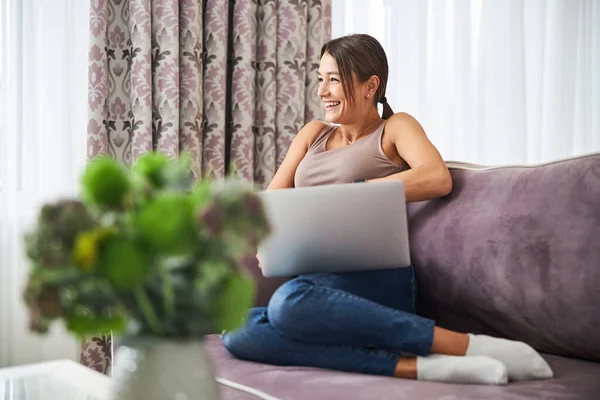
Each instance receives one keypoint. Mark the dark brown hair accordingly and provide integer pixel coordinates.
(362, 55)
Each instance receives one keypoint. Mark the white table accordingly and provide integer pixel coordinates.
(54, 380)
(68, 380)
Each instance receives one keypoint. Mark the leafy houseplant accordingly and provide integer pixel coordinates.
(146, 253)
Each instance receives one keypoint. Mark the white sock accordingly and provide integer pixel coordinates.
(461, 369)
(521, 360)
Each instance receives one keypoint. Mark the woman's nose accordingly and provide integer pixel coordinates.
(323, 90)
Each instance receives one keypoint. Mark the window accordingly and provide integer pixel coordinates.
(2, 85)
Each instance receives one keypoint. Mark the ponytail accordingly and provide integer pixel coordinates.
(387, 110)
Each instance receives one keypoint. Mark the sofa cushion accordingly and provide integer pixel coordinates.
(573, 379)
(515, 252)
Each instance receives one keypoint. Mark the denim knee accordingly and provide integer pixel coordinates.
(287, 308)
(232, 343)
(243, 345)
(245, 342)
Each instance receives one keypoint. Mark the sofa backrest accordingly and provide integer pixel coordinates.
(514, 252)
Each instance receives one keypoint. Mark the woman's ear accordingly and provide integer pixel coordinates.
(373, 84)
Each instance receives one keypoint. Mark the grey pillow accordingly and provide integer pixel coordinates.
(515, 252)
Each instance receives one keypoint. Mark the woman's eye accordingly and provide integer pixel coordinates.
(330, 79)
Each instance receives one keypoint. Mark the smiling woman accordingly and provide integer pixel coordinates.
(43, 92)
(365, 321)
(353, 75)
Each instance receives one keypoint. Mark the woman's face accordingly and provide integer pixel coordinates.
(331, 92)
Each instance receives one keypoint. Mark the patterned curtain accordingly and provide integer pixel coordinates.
(230, 82)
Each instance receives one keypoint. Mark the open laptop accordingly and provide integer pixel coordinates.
(335, 228)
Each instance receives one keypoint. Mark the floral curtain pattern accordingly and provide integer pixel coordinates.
(145, 78)
(274, 82)
(229, 83)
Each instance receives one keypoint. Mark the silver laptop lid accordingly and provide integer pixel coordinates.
(335, 228)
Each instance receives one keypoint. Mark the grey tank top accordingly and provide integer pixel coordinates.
(363, 159)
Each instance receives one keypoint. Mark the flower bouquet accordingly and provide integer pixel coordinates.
(145, 252)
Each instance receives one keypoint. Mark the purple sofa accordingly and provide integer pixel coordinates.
(512, 252)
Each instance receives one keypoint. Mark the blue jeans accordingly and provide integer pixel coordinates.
(355, 322)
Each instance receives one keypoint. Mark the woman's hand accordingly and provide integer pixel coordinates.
(258, 258)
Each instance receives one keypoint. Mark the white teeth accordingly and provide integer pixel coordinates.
(331, 103)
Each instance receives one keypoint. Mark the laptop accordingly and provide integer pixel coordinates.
(335, 228)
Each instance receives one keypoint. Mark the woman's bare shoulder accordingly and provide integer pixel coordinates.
(402, 118)
(309, 133)
(401, 124)
(284, 177)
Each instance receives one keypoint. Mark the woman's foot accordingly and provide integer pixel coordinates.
(454, 369)
(521, 360)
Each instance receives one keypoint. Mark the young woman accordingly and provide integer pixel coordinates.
(365, 321)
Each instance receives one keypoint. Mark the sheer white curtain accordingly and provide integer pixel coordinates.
(492, 81)
(43, 107)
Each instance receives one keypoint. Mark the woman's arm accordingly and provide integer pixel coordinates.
(428, 176)
(284, 177)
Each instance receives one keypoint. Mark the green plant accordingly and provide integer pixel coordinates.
(145, 251)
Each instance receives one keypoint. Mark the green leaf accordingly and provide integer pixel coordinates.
(105, 182)
(233, 302)
(123, 261)
(201, 193)
(57, 276)
(151, 166)
(87, 243)
(167, 223)
(83, 326)
(211, 274)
